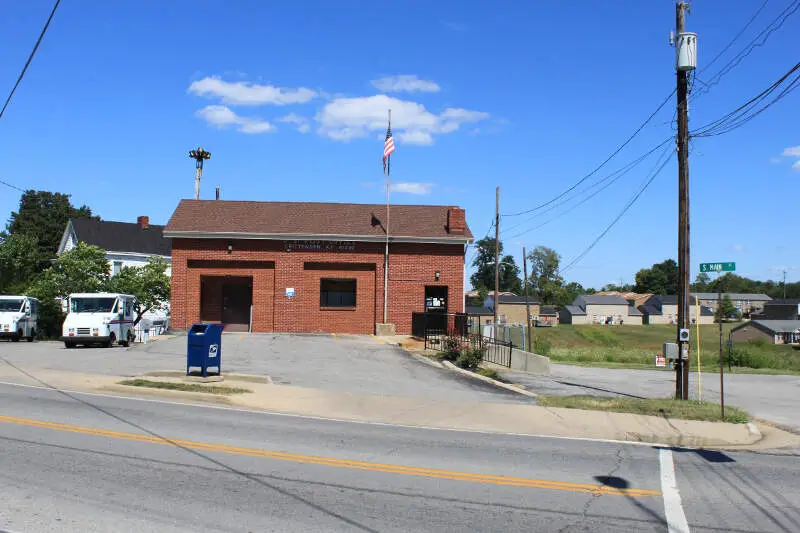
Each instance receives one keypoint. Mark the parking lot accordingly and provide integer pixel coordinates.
(358, 364)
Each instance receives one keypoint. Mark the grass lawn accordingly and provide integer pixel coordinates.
(636, 347)
(188, 387)
(668, 408)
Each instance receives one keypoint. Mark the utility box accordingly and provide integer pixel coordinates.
(686, 51)
(204, 348)
(671, 350)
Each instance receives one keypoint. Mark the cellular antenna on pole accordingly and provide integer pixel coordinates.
(199, 156)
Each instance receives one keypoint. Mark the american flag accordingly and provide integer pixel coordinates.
(388, 147)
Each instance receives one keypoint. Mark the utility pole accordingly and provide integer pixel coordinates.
(199, 156)
(784, 284)
(721, 358)
(682, 370)
(496, 256)
(527, 303)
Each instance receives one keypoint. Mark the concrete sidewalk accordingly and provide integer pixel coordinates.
(469, 416)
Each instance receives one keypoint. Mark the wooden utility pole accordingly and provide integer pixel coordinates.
(682, 370)
(721, 358)
(527, 303)
(496, 257)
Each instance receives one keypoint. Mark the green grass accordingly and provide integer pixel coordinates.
(188, 387)
(489, 373)
(667, 408)
(636, 346)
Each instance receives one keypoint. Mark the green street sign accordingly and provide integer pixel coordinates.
(717, 267)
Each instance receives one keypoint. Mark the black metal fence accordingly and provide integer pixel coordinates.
(468, 336)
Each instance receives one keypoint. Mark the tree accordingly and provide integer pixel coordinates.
(82, 269)
(149, 283)
(544, 277)
(484, 264)
(701, 282)
(567, 293)
(43, 215)
(18, 264)
(726, 309)
(661, 278)
(623, 287)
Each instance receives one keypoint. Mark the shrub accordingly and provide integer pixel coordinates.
(470, 358)
(451, 348)
(541, 346)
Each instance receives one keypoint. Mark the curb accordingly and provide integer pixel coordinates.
(753, 430)
(512, 388)
(426, 360)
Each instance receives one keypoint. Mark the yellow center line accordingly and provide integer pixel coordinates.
(341, 463)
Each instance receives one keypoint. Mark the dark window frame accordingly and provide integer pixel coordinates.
(343, 298)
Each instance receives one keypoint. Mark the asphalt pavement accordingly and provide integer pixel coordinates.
(769, 397)
(84, 462)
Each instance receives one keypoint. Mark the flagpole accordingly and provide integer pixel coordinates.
(386, 253)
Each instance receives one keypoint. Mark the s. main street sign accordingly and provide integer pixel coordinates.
(717, 267)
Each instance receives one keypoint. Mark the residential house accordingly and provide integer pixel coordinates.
(548, 316)
(663, 309)
(633, 298)
(511, 308)
(473, 298)
(780, 310)
(746, 303)
(774, 331)
(482, 314)
(125, 243)
(600, 309)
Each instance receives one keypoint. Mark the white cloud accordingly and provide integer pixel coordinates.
(245, 93)
(738, 248)
(792, 151)
(405, 83)
(222, 117)
(301, 123)
(412, 188)
(796, 165)
(775, 160)
(343, 119)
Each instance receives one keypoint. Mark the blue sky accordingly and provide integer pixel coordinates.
(290, 100)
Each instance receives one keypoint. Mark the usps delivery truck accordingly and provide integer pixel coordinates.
(18, 316)
(99, 318)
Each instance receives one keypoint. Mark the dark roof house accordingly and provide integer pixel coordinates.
(135, 238)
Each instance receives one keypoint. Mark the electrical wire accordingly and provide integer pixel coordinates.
(610, 179)
(633, 200)
(601, 165)
(30, 58)
(727, 46)
(11, 186)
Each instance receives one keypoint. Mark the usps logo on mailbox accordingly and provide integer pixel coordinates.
(212, 351)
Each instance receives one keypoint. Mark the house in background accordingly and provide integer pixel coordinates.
(774, 331)
(663, 309)
(125, 243)
(547, 317)
(483, 315)
(511, 308)
(600, 309)
(780, 310)
(746, 303)
(633, 298)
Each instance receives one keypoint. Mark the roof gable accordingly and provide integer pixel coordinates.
(122, 236)
(601, 299)
(276, 220)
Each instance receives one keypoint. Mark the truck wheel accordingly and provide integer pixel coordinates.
(111, 340)
(33, 336)
(17, 337)
(127, 341)
(68, 344)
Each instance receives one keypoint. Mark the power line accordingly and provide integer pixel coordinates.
(11, 186)
(744, 112)
(30, 58)
(619, 216)
(611, 179)
(727, 46)
(609, 158)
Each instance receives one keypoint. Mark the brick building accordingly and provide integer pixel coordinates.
(313, 267)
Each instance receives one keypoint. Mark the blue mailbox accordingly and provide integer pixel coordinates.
(204, 347)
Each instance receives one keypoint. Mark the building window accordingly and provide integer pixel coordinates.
(116, 268)
(337, 292)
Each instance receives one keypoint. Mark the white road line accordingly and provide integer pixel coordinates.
(673, 508)
(337, 420)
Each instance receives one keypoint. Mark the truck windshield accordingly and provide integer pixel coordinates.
(91, 305)
(10, 306)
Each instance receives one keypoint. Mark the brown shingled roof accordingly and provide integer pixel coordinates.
(207, 218)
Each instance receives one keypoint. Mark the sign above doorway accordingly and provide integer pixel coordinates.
(320, 246)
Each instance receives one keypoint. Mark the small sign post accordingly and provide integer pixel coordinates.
(719, 268)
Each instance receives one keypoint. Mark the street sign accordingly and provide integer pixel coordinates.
(717, 267)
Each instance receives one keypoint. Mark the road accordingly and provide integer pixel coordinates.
(85, 462)
(770, 397)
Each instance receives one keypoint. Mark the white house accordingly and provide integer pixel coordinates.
(125, 243)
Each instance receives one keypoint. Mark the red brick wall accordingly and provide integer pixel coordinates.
(411, 268)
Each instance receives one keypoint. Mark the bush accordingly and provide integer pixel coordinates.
(451, 348)
(470, 358)
(541, 346)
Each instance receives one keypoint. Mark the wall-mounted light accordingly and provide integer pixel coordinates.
(230, 248)
(438, 274)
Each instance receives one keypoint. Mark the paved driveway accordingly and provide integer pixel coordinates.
(774, 398)
(343, 363)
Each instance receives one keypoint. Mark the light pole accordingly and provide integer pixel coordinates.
(199, 156)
